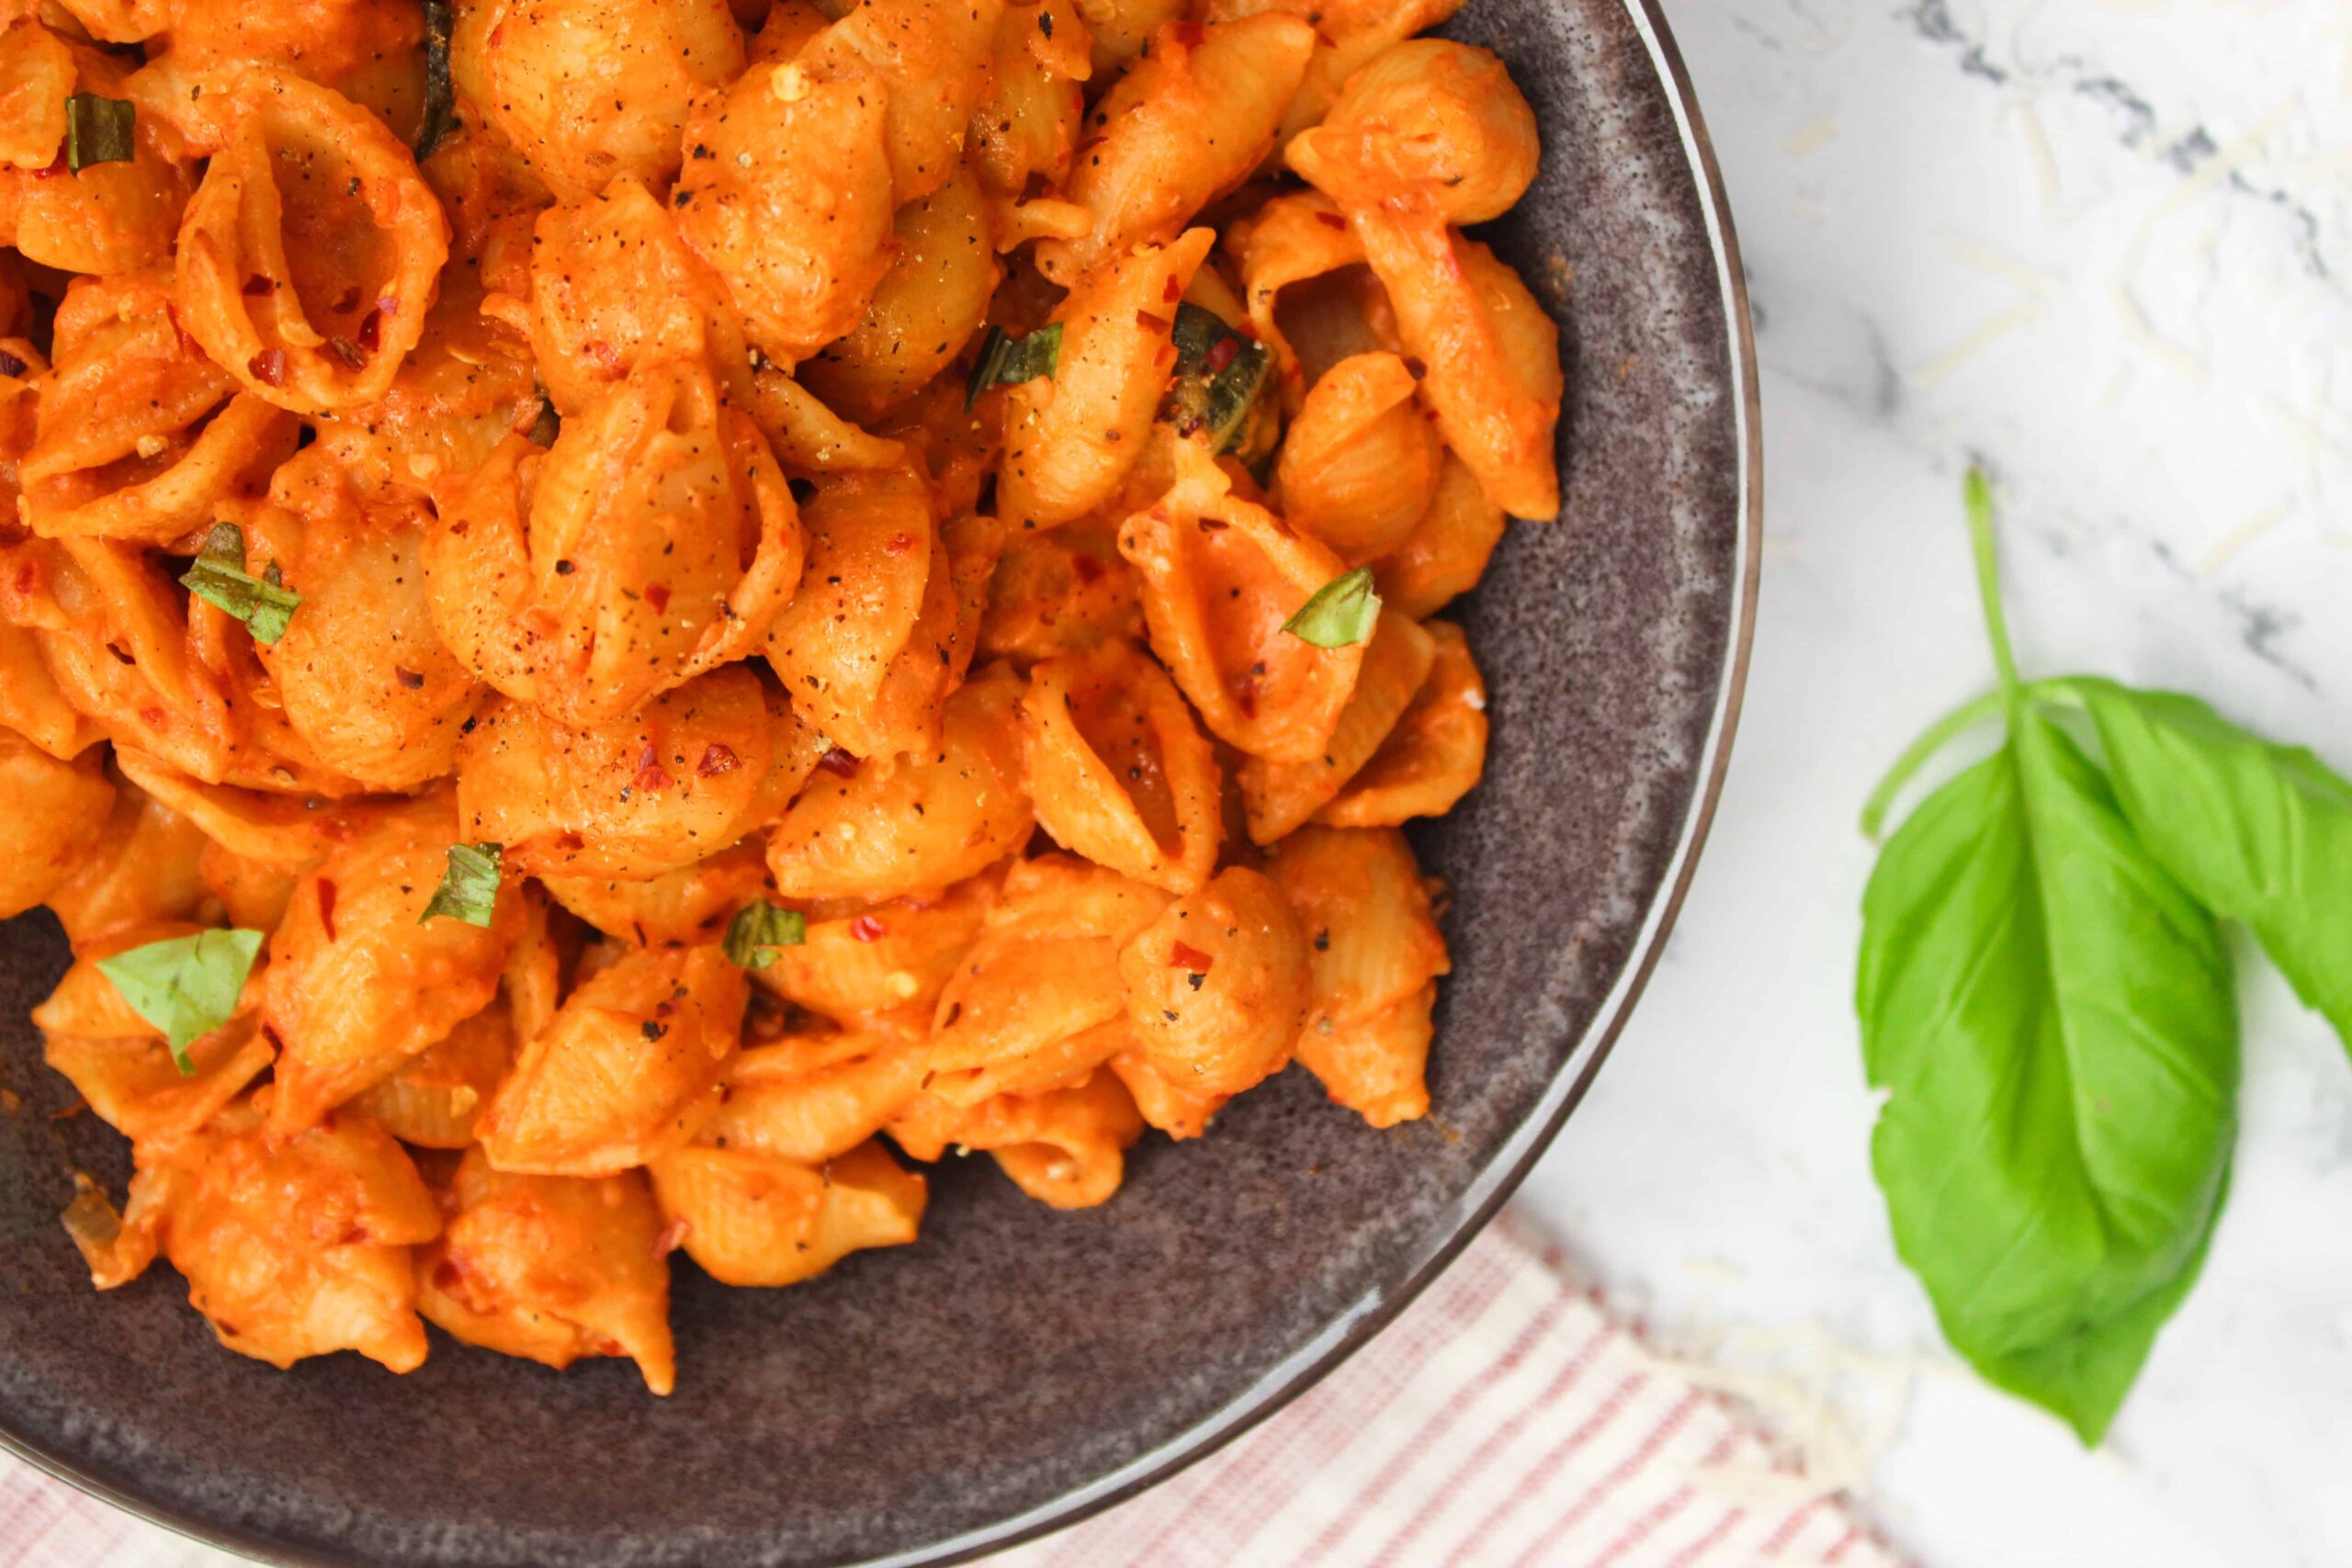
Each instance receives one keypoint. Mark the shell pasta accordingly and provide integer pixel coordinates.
(627, 623)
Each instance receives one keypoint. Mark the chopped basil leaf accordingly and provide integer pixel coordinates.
(98, 130)
(219, 578)
(469, 891)
(1005, 360)
(1219, 374)
(758, 930)
(188, 987)
(1341, 613)
(440, 96)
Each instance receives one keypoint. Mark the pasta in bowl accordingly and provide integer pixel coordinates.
(631, 627)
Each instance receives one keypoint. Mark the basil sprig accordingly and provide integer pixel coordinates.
(468, 889)
(219, 577)
(1341, 613)
(188, 987)
(1005, 360)
(98, 131)
(440, 94)
(758, 930)
(2049, 1004)
(1219, 374)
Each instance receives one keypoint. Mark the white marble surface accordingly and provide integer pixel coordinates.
(2104, 246)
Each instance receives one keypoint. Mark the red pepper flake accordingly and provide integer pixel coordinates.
(839, 761)
(59, 167)
(1245, 695)
(343, 348)
(648, 771)
(352, 1236)
(409, 678)
(326, 907)
(1189, 34)
(447, 1276)
(349, 300)
(259, 287)
(658, 595)
(154, 718)
(498, 36)
(389, 304)
(370, 336)
(268, 367)
(1173, 290)
(865, 927)
(1165, 357)
(1222, 354)
(1088, 569)
(1150, 322)
(717, 760)
(607, 358)
(1330, 220)
(1185, 956)
(673, 1235)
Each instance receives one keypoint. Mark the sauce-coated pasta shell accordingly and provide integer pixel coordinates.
(1065, 1147)
(688, 776)
(146, 867)
(1221, 576)
(1376, 955)
(310, 253)
(1431, 126)
(755, 1219)
(1434, 755)
(1359, 463)
(1217, 985)
(1029, 122)
(434, 1099)
(917, 822)
(652, 542)
(629, 1068)
(57, 814)
(589, 90)
(1060, 592)
(926, 59)
(552, 1269)
(359, 982)
(1278, 796)
(1448, 549)
(776, 1106)
(300, 1247)
(864, 959)
(1188, 123)
(789, 200)
(109, 218)
(1118, 769)
(689, 905)
(1071, 438)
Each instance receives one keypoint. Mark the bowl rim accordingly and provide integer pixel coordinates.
(1352, 1329)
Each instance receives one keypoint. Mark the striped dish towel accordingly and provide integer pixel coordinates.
(1503, 1421)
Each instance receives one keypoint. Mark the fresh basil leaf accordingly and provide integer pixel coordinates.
(1005, 360)
(1219, 374)
(2258, 832)
(219, 577)
(98, 131)
(1341, 612)
(2053, 1018)
(188, 987)
(440, 94)
(468, 889)
(758, 930)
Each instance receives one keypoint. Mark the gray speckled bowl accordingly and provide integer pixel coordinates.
(1021, 1366)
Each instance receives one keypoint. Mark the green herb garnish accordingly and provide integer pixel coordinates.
(188, 987)
(98, 131)
(758, 930)
(469, 890)
(1005, 360)
(219, 577)
(2050, 1008)
(1219, 374)
(1341, 612)
(440, 95)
